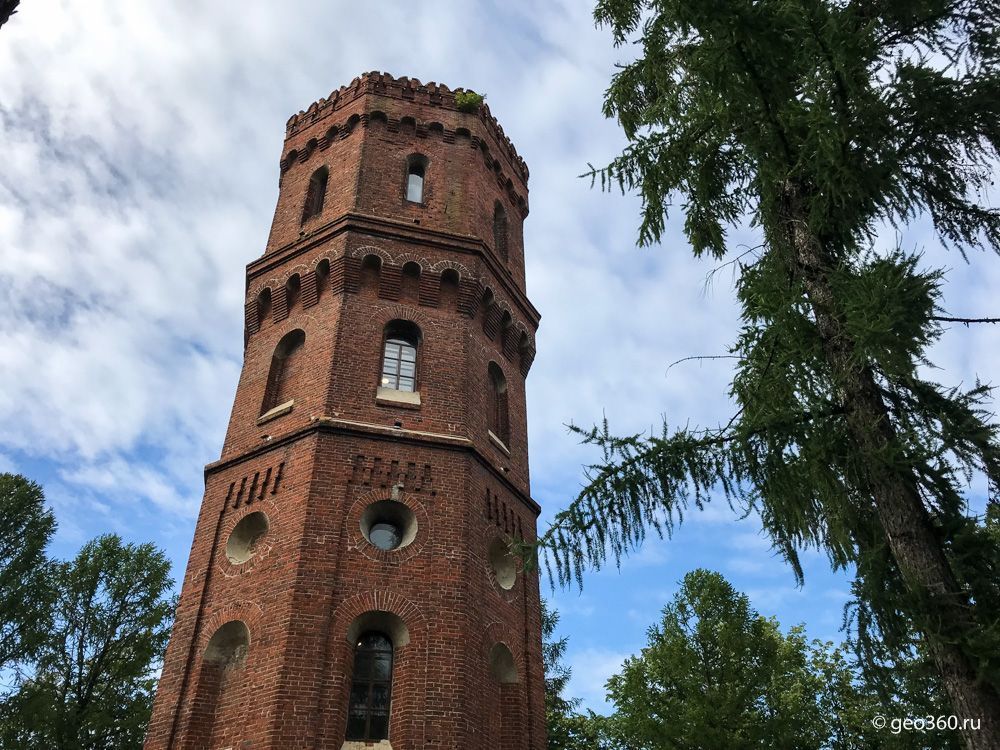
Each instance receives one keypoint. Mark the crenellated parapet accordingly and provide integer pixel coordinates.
(337, 131)
(407, 89)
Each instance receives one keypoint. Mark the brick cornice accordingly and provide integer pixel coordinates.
(334, 426)
(392, 229)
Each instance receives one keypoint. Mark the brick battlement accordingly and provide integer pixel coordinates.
(408, 89)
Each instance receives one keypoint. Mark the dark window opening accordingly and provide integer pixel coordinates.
(316, 193)
(292, 290)
(283, 376)
(500, 231)
(499, 417)
(385, 535)
(371, 688)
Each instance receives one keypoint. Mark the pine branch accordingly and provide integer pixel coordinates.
(963, 321)
(702, 356)
(639, 479)
(7, 9)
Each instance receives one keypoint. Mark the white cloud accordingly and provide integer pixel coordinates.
(591, 669)
(140, 144)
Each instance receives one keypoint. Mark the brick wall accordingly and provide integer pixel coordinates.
(330, 449)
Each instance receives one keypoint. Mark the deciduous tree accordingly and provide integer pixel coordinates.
(92, 683)
(26, 526)
(717, 674)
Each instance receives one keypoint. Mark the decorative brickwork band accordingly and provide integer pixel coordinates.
(280, 301)
(352, 275)
(527, 357)
(251, 324)
(430, 289)
(491, 322)
(390, 280)
(469, 292)
(310, 292)
(510, 341)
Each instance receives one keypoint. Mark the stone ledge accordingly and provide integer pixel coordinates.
(362, 745)
(278, 411)
(392, 397)
(498, 442)
(382, 429)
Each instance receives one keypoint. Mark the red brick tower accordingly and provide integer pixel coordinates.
(349, 580)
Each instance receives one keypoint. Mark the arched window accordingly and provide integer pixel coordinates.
(499, 420)
(264, 305)
(399, 356)
(293, 288)
(500, 230)
(371, 269)
(371, 688)
(409, 289)
(284, 374)
(416, 166)
(316, 193)
(322, 277)
(449, 289)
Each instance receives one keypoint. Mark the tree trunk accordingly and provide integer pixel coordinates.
(900, 509)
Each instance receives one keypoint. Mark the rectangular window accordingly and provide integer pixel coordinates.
(415, 188)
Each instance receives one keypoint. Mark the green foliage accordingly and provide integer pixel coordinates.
(716, 674)
(468, 101)
(26, 526)
(576, 731)
(879, 110)
(819, 123)
(557, 674)
(567, 729)
(93, 680)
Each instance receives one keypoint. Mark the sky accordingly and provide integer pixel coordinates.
(139, 145)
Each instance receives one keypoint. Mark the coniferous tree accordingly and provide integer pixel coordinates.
(26, 526)
(822, 122)
(7, 9)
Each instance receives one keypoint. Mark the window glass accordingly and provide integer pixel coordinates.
(415, 181)
(371, 689)
(385, 535)
(399, 365)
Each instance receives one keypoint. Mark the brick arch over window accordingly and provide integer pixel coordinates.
(385, 610)
(286, 370)
(221, 689)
